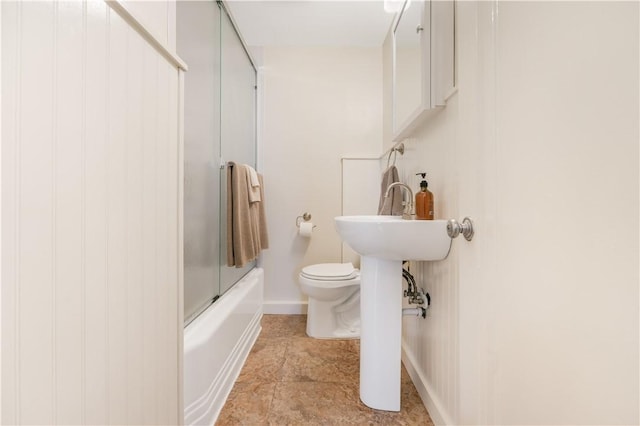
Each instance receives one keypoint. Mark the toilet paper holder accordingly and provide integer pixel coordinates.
(306, 217)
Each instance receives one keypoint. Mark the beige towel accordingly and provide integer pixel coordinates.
(391, 205)
(246, 222)
(254, 185)
(262, 217)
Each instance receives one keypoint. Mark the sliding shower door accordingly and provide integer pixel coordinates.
(238, 126)
(198, 29)
(220, 126)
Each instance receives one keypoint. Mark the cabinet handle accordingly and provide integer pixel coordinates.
(419, 28)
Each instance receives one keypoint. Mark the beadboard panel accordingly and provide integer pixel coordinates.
(90, 208)
(511, 336)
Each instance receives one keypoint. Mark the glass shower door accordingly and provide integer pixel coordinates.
(219, 125)
(237, 128)
(198, 31)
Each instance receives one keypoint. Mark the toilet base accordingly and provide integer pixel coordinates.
(336, 319)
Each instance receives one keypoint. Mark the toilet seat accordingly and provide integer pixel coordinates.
(330, 272)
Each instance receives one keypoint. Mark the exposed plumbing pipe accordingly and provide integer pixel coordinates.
(420, 298)
(410, 282)
(416, 296)
(417, 312)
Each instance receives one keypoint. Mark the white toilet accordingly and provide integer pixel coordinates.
(334, 300)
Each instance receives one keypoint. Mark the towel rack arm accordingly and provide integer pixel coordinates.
(398, 148)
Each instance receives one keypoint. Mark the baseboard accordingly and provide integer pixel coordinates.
(432, 403)
(284, 307)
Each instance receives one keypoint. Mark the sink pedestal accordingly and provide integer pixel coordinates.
(380, 332)
(383, 242)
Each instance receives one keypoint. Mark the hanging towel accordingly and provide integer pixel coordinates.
(391, 205)
(246, 222)
(253, 176)
(254, 185)
(262, 217)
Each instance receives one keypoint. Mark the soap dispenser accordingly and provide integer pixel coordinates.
(424, 200)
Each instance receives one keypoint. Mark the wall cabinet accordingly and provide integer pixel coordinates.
(423, 62)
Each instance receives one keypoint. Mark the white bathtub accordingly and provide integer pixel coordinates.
(216, 345)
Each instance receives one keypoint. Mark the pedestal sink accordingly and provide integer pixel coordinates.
(383, 242)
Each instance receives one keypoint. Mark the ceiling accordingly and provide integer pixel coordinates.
(362, 23)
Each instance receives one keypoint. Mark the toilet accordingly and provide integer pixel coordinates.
(334, 300)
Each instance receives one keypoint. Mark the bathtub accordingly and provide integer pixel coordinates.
(216, 345)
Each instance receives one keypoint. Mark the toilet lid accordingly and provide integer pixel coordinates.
(330, 271)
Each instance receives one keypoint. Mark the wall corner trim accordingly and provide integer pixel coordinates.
(118, 7)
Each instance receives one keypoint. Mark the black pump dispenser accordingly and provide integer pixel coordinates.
(424, 184)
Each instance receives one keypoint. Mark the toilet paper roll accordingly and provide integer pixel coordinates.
(305, 229)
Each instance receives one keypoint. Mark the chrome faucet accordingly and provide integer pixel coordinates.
(409, 212)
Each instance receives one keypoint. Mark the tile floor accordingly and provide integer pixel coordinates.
(292, 379)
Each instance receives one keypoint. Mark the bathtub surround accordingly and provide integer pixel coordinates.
(216, 345)
(536, 320)
(224, 230)
(91, 213)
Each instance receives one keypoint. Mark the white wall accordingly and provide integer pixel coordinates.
(536, 320)
(319, 104)
(360, 194)
(91, 240)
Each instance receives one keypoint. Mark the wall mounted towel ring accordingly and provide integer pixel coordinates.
(399, 148)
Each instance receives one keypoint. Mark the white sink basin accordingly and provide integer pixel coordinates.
(384, 242)
(394, 238)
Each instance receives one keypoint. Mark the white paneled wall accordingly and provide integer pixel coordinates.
(536, 320)
(157, 16)
(91, 287)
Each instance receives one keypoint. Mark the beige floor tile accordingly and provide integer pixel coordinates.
(412, 411)
(248, 404)
(292, 379)
(314, 360)
(284, 326)
(265, 361)
(315, 403)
